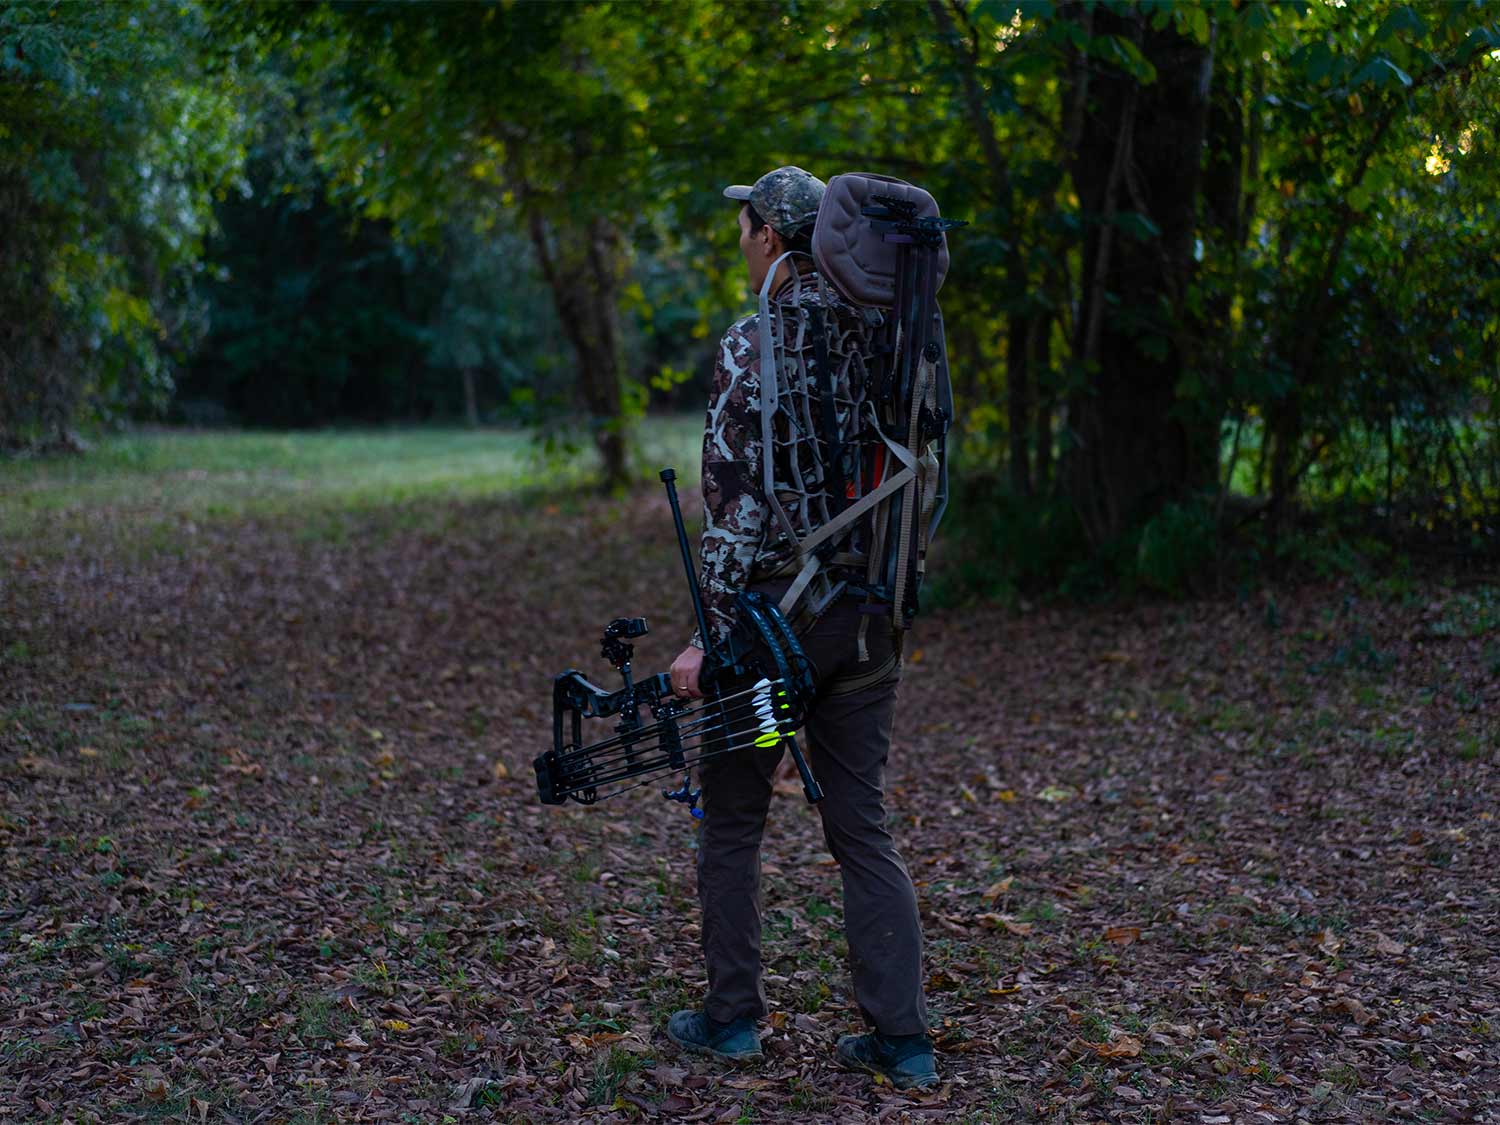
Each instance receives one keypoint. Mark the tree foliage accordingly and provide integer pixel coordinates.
(1222, 257)
(114, 144)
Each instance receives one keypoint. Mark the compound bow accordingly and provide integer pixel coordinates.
(758, 685)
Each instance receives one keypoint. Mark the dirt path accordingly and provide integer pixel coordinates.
(1223, 862)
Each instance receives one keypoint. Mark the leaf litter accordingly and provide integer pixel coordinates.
(270, 848)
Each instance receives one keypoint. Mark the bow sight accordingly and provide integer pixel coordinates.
(757, 687)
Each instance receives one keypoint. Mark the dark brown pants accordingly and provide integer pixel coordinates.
(846, 738)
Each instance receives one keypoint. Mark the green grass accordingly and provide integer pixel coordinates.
(611, 1072)
(158, 482)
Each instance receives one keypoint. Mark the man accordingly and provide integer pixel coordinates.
(848, 728)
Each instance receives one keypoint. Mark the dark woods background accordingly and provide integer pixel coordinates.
(1228, 301)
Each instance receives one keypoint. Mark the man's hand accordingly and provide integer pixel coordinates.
(685, 671)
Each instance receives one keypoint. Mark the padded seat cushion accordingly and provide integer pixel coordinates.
(855, 258)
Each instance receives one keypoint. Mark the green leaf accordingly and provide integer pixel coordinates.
(1258, 16)
(1403, 18)
(1317, 61)
(1198, 25)
(1380, 72)
(1398, 72)
(1129, 55)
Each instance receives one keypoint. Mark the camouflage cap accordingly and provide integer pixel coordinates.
(787, 198)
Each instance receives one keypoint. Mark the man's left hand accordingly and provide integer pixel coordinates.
(685, 671)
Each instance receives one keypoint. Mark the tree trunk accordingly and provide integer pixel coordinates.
(1041, 365)
(583, 266)
(1018, 383)
(1137, 443)
(471, 398)
(1223, 228)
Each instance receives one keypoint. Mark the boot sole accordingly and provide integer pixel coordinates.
(900, 1083)
(704, 1049)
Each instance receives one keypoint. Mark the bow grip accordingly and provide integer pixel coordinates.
(723, 663)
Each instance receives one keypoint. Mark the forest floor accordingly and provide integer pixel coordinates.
(270, 848)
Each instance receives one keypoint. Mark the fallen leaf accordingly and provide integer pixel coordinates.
(995, 890)
(941, 981)
(1004, 922)
(1388, 947)
(1054, 793)
(668, 1075)
(501, 770)
(395, 1025)
(1122, 935)
(1355, 1010)
(465, 1094)
(1122, 1047)
(1072, 1051)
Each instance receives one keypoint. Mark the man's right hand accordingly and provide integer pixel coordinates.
(685, 672)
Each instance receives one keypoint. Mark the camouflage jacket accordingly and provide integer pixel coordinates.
(741, 542)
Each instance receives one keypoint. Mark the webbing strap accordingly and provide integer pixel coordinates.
(807, 547)
(793, 566)
(847, 685)
(921, 393)
(928, 470)
(794, 591)
(870, 499)
(828, 412)
(768, 396)
(877, 546)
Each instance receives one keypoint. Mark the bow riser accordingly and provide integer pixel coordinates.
(758, 688)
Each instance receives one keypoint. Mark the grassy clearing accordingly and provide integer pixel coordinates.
(154, 482)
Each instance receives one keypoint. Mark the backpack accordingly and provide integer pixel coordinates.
(882, 245)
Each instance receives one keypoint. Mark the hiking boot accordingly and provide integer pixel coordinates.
(906, 1060)
(736, 1041)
